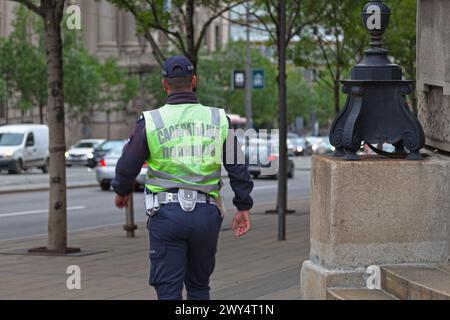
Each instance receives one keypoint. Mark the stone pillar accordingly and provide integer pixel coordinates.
(8, 16)
(89, 20)
(433, 71)
(128, 27)
(107, 28)
(374, 212)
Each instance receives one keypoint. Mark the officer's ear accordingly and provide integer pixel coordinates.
(165, 85)
(194, 82)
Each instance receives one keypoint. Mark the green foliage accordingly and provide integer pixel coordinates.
(117, 88)
(214, 86)
(175, 19)
(87, 81)
(341, 39)
(401, 35)
(215, 74)
(23, 64)
(81, 78)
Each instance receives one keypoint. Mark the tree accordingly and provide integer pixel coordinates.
(214, 83)
(326, 48)
(401, 40)
(117, 88)
(81, 75)
(176, 20)
(301, 98)
(282, 20)
(6, 72)
(52, 11)
(340, 39)
(28, 78)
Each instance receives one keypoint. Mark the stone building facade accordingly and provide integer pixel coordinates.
(433, 71)
(110, 32)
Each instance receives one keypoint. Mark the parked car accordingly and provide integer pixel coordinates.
(320, 145)
(386, 147)
(106, 169)
(298, 146)
(82, 151)
(24, 146)
(262, 157)
(103, 149)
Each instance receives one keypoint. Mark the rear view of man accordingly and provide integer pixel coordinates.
(183, 143)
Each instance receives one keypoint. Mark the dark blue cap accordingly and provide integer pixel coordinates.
(178, 67)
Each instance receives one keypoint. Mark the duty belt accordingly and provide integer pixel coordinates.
(169, 197)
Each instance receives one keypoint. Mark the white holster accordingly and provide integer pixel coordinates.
(151, 203)
(187, 199)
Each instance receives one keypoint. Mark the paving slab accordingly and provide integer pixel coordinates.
(256, 266)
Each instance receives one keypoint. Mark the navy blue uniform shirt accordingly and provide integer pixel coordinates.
(136, 152)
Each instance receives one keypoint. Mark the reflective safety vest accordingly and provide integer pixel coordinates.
(186, 145)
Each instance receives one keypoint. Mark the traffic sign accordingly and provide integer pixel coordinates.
(239, 79)
(258, 79)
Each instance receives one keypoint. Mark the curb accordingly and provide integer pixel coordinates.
(37, 189)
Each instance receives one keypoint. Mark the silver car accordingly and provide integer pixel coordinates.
(82, 152)
(106, 170)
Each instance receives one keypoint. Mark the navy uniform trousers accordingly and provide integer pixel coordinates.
(182, 250)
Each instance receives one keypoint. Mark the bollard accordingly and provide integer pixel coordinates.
(129, 226)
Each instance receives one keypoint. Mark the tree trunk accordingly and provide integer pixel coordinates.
(337, 92)
(7, 101)
(41, 113)
(108, 125)
(57, 221)
(190, 32)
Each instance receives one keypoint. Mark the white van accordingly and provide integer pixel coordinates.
(24, 146)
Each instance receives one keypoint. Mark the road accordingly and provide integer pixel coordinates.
(25, 214)
(35, 178)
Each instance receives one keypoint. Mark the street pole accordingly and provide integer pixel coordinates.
(248, 73)
(130, 226)
(282, 171)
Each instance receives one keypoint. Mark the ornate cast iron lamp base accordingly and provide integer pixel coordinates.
(376, 110)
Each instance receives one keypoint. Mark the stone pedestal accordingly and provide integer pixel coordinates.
(374, 212)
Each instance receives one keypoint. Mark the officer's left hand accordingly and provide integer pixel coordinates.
(241, 223)
(121, 202)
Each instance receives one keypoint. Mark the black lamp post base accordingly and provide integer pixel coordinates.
(352, 156)
(376, 110)
(414, 156)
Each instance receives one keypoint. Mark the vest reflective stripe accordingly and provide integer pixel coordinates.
(169, 184)
(215, 116)
(190, 178)
(157, 119)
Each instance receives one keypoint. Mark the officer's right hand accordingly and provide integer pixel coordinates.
(241, 223)
(121, 202)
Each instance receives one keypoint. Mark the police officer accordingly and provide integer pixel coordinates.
(179, 143)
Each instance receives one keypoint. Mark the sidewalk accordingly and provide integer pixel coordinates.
(256, 266)
(35, 180)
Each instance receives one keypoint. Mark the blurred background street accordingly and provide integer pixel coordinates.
(26, 214)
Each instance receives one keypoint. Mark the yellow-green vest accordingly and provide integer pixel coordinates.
(186, 144)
